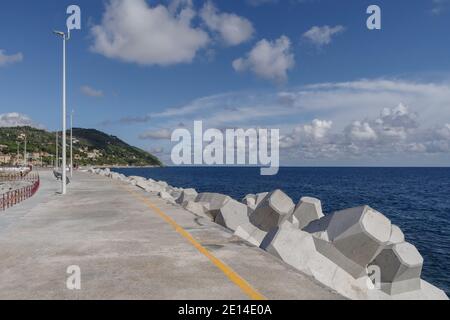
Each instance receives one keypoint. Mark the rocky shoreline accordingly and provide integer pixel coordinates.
(357, 252)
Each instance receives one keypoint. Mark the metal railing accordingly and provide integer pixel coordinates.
(13, 197)
(15, 175)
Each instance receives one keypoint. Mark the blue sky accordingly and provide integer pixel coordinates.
(340, 93)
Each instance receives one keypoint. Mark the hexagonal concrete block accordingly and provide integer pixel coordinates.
(250, 233)
(397, 235)
(232, 215)
(307, 210)
(271, 211)
(290, 244)
(260, 197)
(359, 233)
(187, 195)
(250, 201)
(400, 266)
(166, 196)
(162, 184)
(214, 200)
(149, 186)
(196, 208)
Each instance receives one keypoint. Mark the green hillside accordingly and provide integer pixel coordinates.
(91, 147)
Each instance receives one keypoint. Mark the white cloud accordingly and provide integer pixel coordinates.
(444, 132)
(315, 132)
(161, 134)
(15, 119)
(322, 36)
(361, 131)
(268, 59)
(6, 59)
(91, 92)
(374, 120)
(232, 28)
(439, 6)
(134, 32)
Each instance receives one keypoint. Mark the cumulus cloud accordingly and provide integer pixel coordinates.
(135, 32)
(444, 132)
(373, 120)
(6, 59)
(395, 131)
(232, 28)
(361, 131)
(91, 92)
(161, 134)
(15, 119)
(321, 36)
(314, 132)
(268, 59)
(439, 6)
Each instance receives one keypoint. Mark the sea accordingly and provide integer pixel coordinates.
(415, 199)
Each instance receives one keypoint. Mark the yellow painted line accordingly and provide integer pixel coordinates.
(230, 273)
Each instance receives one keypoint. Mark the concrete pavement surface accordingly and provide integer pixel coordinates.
(129, 244)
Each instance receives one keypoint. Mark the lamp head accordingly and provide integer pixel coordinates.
(59, 33)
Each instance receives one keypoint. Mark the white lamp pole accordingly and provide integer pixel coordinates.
(18, 152)
(64, 117)
(71, 144)
(25, 152)
(57, 153)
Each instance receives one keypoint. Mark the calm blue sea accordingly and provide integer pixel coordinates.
(416, 199)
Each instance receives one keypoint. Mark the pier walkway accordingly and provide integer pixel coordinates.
(131, 245)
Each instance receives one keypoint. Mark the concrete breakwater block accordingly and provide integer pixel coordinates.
(232, 214)
(359, 234)
(260, 197)
(397, 235)
(149, 186)
(197, 208)
(298, 249)
(215, 201)
(115, 176)
(187, 195)
(272, 210)
(161, 183)
(176, 193)
(400, 266)
(250, 233)
(306, 211)
(250, 201)
(166, 196)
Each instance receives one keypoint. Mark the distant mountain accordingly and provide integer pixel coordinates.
(91, 147)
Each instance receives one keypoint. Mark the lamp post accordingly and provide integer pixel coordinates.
(56, 153)
(18, 152)
(25, 152)
(64, 160)
(71, 144)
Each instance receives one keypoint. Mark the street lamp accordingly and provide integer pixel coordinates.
(18, 153)
(56, 152)
(63, 166)
(25, 152)
(71, 143)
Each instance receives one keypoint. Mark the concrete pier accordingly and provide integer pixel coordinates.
(132, 245)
